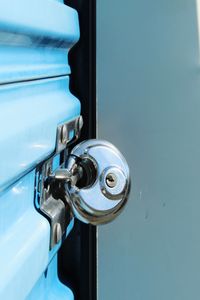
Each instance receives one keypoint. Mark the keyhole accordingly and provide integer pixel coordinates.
(111, 180)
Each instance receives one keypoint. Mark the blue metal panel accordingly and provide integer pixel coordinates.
(24, 240)
(35, 38)
(26, 266)
(49, 287)
(30, 113)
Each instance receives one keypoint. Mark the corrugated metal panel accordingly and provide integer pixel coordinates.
(30, 113)
(35, 38)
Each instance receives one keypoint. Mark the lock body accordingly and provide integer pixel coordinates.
(102, 197)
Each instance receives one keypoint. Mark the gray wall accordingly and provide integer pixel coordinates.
(149, 106)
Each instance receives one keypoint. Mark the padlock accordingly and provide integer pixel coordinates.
(96, 181)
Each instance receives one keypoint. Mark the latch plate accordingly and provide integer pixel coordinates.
(56, 210)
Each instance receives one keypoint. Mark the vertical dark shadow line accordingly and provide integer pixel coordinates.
(77, 258)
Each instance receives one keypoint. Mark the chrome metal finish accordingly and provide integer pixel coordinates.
(43, 174)
(102, 201)
(71, 176)
(113, 182)
(62, 174)
(53, 209)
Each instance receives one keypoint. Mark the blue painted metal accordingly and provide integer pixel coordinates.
(35, 38)
(27, 267)
(24, 240)
(49, 287)
(30, 113)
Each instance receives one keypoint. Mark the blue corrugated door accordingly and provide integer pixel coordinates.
(35, 38)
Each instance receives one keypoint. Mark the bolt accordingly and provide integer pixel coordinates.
(111, 180)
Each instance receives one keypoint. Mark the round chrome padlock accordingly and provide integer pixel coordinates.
(103, 189)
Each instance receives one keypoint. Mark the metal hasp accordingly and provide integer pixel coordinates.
(91, 183)
(68, 132)
(55, 209)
